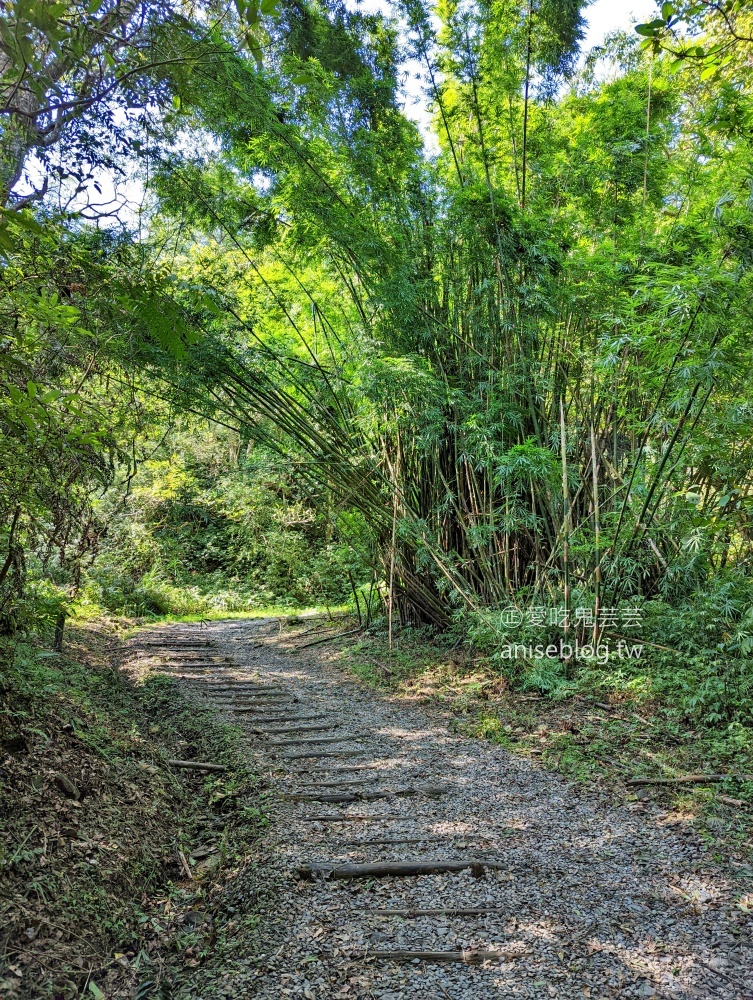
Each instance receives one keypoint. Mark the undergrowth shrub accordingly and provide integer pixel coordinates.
(695, 654)
(209, 530)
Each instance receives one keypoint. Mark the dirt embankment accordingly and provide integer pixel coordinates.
(111, 862)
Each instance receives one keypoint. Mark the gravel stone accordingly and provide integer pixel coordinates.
(594, 898)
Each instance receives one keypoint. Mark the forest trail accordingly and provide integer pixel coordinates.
(575, 896)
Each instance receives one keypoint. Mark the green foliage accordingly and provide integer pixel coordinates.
(694, 652)
(212, 526)
(149, 990)
(519, 370)
(65, 436)
(713, 37)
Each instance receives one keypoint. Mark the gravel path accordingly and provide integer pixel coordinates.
(585, 898)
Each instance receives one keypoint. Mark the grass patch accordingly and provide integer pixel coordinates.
(271, 611)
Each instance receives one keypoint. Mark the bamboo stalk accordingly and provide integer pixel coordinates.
(597, 545)
(566, 525)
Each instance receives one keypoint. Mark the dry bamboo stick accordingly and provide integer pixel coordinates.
(597, 538)
(566, 522)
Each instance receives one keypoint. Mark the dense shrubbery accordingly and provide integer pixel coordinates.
(517, 371)
(209, 529)
(692, 654)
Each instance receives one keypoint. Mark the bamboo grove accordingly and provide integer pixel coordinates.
(523, 359)
(524, 389)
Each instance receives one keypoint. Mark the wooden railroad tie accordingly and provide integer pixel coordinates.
(394, 840)
(393, 869)
(315, 740)
(289, 731)
(344, 818)
(448, 911)
(287, 718)
(386, 793)
(464, 957)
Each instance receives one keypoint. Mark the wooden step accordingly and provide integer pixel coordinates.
(395, 840)
(386, 793)
(393, 869)
(168, 646)
(241, 687)
(344, 769)
(345, 818)
(237, 697)
(340, 784)
(250, 707)
(282, 731)
(335, 797)
(266, 693)
(220, 661)
(286, 718)
(232, 684)
(448, 911)
(183, 675)
(315, 740)
(464, 957)
(197, 670)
